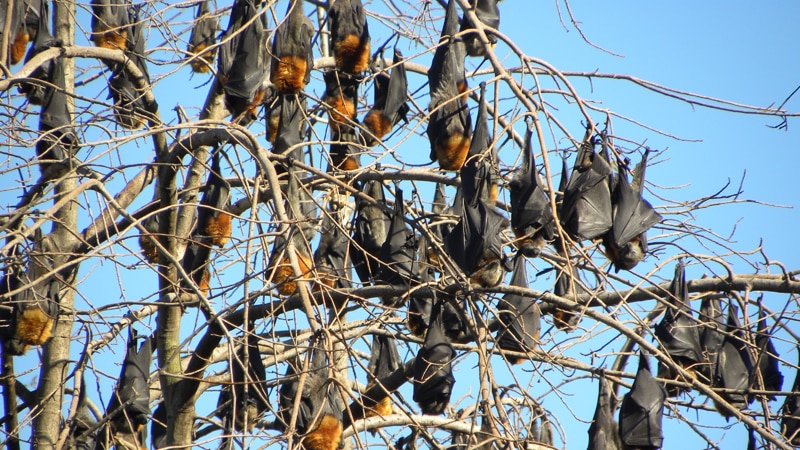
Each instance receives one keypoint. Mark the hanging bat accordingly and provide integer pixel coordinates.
(346, 153)
(790, 422)
(158, 427)
(678, 332)
(292, 58)
(531, 215)
(80, 438)
(290, 122)
(519, 317)
(58, 141)
(203, 38)
(418, 316)
(229, 40)
(455, 327)
(433, 369)
(586, 209)
(213, 223)
(34, 309)
(389, 105)
(604, 431)
(130, 109)
(35, 92)
(768, 376)
(489, 14)
(437, 231)
(449, 124)
(195, 264)
(129, 407)
(244, 90)
(632, 216)
(349, 36)
(319, 417)
(711, 337)
(13, 31)
(249, 388)
(341, 98)
(396, 267)
(370, 230)
(110, 24)
(734, 365)
(641, 411)
(297, 208)
(540, 430)
(473, 181)
(331, 260)
(383, 361)
(568, 286)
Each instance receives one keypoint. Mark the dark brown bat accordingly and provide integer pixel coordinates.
(438, 231)
(604, 431)
(130, 109)
(678, 331)
(292, 58)
(569, 286)
(768, 375)
(58, 141)
(203, 38)
(389, 105)
(474, 181)
(433, 368)
(290, 123)
(734, 365)
(397, 263)
(16, 31)
(489, 14)
(370, 229)
(110, 24)
(711, 337)
(213, 223)
(418, 317)
(519, 317)
(195, 263)
(641, 411)
(249, 400)
(341, 97)
(449, 124)
(149, 249)
(790, 422)
(80, 438)
(331, 260)
(319, 417)
(158, 427)
(229, 40)
(129, 407)
(632, 216)
(455, 327)
(35, 92)
(244, 90)
(349, 36)
(586, 210)
(384, 361)
(531, 214)
(346, 153)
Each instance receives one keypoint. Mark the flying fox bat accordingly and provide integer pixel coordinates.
(678, 332)
(279, 263)
(80, 438)
(12, 31)
(34, 310)
(149, 249)
(586, 209)
(389, 105)
(449, 124)
(626, 242)
(249, 400)
(244, 90)
(229, 40)
(213, 223)
(58, 141)
(319, 417)
(641, 411)
(711, 337)
(129, 407)
(341, 96)
(292, 59)
(35, 92)
(474, 243)
(540, 430)
(439, 231)
(769, 372)
(455, 328)
(110, 24)
(418, 316)
(346, 153)
(473, 181)
(195, 264)
(734, 365)
(433, 369)
(604, 431)
(531, 215)
(331, 259)
(203, 38)
(790, 422)
(288, 135)
(370, 231)
(568, 285)
(158, 427)
(349, 36)
(519, 317)
(489, 14)
(130, 109)
(384, 361)
(396, 266)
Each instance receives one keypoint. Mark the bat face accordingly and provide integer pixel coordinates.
(734, 365)
(110, 24)
(790, 422)
(604, 431)
(586, 210)
(641, 411)
(519, 317)
(389, 106)
(769, 373)
(202, 39)
(398, 250)
(677, 331)
(489, 14)
(370, 231)
(349, 36)
(531, 215)
(341, 96)
(243, 89)
(292, 59)
(213, 223)
(133, 389)
(433, 370)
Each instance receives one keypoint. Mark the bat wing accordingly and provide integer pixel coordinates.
(248, 68)
(489, 13)
(711, 335)
(59, 139)
(204, 29)
(249, 386)
(677, 331)
(641, 411)
(768, 367)
(604, 431)
(433, 370)
(212, 220)
(395, 107)
(44, 40)
(633, 215)
(292, 58)
(134, 387)
(229, 41)
(397, 252)
(331, 257)
(519, 316)
(350, 36)
(370, 231)
(586, 208)
(734, 367)
(530, 207)
(290, 123)
(109, 24)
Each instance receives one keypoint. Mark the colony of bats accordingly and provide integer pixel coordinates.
(386, 241)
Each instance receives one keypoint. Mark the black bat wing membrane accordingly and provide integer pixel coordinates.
(519, 316)
(604, 431)
(489, 14)
(642, 410)
(586, 210)
(433, 370)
